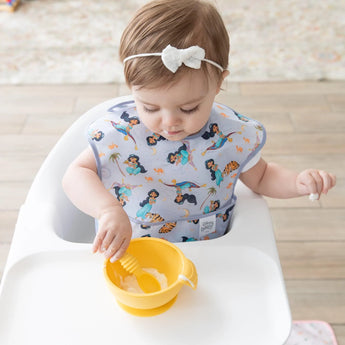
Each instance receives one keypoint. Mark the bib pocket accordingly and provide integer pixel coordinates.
(207, 226)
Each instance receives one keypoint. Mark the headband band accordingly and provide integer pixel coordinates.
(173, 58)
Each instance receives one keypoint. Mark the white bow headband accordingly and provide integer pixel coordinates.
(173, 58)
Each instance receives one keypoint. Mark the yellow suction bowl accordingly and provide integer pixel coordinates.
(167, 259)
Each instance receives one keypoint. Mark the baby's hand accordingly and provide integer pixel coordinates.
(312, 181)
(114, 233)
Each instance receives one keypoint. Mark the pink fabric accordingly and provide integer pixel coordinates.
(311, 332)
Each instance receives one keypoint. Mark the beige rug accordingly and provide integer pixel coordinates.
(76, 41)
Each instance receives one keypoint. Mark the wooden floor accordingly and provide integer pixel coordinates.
(306, 128)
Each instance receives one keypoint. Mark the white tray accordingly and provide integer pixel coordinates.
(61, 298)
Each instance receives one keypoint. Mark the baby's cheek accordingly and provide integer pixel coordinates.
(150, 124)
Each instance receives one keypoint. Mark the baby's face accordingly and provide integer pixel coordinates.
(177, 110)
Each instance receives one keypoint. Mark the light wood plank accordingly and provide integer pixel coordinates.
(4, 250)
(316, 121)
(46, 124)
(292, 88)
(275, 103)
(338, 195)
(337, 102)
(334, 163)
(23, 103)
(308, 224)
(84, 104)
(316, 286)
(339, 331)
(19, 167)
(310, 307)
(13, 194)
(335, 198)
(301, 202)
(317, 300)
(60, 90)
(29, 144)
(304, 143)
(312, 260)
(12, 124)
(8, 221)
(275, 122)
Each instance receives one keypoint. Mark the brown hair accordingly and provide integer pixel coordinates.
(180, 23)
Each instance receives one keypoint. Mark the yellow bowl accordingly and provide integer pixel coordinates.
(167, 259)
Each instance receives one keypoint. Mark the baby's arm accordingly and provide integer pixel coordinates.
(272, 180)
(87, 192)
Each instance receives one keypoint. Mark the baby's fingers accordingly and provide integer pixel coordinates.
(97, 243)
(117, 249)
(315, 183)
(318, 182)
(107, 242)
(329, 181)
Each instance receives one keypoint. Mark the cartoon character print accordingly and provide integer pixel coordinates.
(214, 205)
(156, 218)
(153, 139)
(114, 157)
(182, 156)
(126, 130)
(216, 173)
(188, 239)
(146, 205)
(134, 166)
(257, 143)
(225, 216)
(167, 227)
(180, 186)
(210, 191)
(241, 117)
(123, 191)
(181, 198)
(222, 138)
(96, 135)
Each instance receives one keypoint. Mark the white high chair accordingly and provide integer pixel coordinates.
(53, 290)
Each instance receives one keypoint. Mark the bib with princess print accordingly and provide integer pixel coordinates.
(177, 190)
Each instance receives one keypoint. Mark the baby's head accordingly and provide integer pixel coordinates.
(181, 24)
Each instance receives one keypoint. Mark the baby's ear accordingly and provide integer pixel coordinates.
(224, 75)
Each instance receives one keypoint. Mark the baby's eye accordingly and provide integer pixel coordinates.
(190, 111)
(149, 110)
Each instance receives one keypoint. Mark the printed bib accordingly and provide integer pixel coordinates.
(177, 190)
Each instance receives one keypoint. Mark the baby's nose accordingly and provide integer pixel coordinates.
(170, 119)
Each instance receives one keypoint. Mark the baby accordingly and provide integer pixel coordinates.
(166, 162)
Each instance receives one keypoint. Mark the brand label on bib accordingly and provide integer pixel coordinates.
(207, 225)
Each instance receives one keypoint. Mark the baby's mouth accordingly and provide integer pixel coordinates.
(171, 133)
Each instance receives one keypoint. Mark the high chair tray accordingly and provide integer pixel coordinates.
(61, 298)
